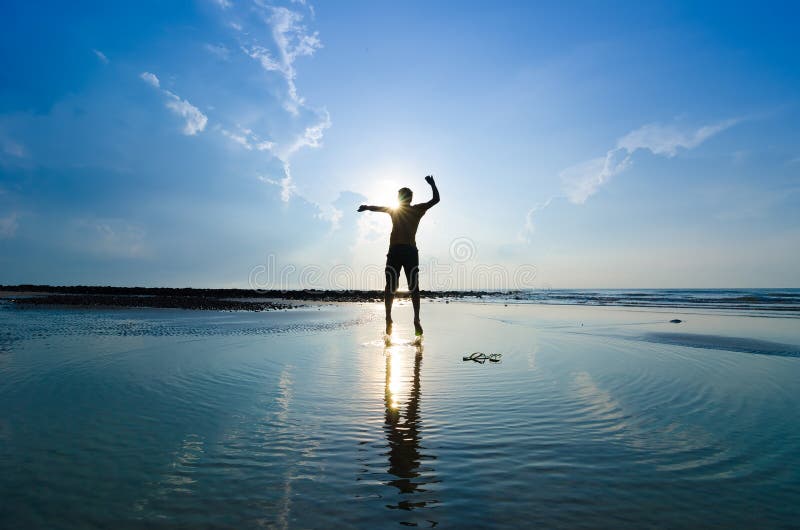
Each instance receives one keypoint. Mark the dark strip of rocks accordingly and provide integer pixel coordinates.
(342, 295)
(189, 298)
(173, 302)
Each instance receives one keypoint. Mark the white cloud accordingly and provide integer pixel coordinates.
(263, 56)
(248, 139)
(101, 56)
(9, 225)
(530, 226)
(331, 214)
(265, 146)
(223, 4)
(667, 139)
(292, 40)
(583, 180)
(150, 79)
(311, 136)
(195, 120)
(286, 183)
(238, 138)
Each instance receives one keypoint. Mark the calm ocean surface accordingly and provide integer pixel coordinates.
(750, 300)
(596, 417)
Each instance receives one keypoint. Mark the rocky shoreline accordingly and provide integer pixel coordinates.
(196, 299)
(150, 301)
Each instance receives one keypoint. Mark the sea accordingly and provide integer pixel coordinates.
(564, 409)
(750, 300)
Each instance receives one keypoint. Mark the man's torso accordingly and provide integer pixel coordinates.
(405, 221)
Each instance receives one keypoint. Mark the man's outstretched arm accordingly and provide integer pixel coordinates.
(365, 207)
(435, 200)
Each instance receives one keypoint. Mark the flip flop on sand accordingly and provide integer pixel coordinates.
(480, 357)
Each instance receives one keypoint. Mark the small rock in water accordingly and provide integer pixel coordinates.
(675, 321)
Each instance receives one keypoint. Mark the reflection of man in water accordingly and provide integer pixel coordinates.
(403, 435)
(403, 248)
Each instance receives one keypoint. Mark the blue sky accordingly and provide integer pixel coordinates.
(203, 143)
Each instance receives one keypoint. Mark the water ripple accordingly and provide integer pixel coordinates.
(237, 427)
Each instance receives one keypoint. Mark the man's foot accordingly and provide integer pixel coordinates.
(417, 328)
(388, 326)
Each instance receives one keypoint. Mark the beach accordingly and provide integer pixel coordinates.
(594, 417)
(220, 219)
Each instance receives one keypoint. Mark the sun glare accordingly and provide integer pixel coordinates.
(383, 192)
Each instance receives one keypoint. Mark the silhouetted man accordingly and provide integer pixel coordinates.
(403, 248)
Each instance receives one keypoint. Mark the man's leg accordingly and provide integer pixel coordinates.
(388, 299)
(392, 279)
(415, 303)
(412, 277)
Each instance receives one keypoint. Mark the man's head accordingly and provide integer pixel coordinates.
(404, 196)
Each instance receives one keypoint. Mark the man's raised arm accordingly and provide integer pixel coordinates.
(435, 200)
(365, 207)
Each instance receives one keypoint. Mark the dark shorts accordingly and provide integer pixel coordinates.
(407, 258)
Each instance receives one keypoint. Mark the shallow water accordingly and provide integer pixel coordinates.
(595, 417)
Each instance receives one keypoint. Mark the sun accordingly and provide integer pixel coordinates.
(383, 192)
